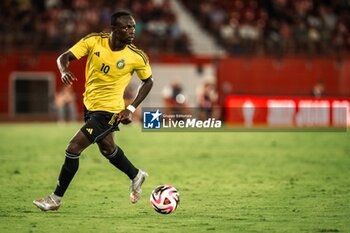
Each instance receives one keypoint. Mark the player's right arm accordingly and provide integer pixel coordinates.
(79, 50)
(63, 60)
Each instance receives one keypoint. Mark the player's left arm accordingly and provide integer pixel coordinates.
(145, 87)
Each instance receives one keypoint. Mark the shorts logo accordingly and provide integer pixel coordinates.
(151, 120)
(120, 64)
(89, 130)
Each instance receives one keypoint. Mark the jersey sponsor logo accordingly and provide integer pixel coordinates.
(97, 53)
(89, 130)
(120, 64)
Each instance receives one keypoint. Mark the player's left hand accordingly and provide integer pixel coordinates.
(125, 117)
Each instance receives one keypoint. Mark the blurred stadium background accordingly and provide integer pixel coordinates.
(274, 58)
(277, 50)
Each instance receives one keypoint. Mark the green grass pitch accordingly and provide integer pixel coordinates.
(228, 182)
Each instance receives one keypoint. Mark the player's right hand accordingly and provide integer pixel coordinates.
(68, 78)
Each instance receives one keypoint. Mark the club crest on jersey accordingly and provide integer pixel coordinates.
(120, 64)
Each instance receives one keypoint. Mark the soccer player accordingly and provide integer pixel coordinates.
(111, 61)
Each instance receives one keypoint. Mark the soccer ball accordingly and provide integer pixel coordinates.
(165, 199)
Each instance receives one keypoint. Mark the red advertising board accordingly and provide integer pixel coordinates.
(276, 111)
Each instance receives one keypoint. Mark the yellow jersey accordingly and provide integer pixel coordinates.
(107, 72)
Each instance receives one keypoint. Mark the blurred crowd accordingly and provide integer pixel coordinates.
(278, 27)
(55, 25)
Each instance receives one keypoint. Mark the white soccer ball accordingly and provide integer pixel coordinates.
(165, 199)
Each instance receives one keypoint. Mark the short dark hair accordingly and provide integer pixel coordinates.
(116, 15)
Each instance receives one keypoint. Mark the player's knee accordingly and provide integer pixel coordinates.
(109, 152)
(74, 148)
(78, 143)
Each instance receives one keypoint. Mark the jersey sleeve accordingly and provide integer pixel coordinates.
(144, 71)
(82, 47)
(142, 67)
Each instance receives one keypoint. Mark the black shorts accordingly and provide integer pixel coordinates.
(98, 124)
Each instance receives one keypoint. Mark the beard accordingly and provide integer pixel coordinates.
(128, 41)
